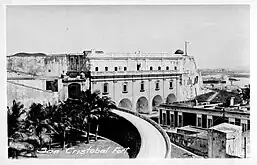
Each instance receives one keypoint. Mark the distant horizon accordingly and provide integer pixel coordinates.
(219, 35)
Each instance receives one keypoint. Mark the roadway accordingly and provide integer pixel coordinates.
(153, 144)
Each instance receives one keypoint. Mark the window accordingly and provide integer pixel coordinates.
(142, 86)
(196, 80)
(96, 68)
(164, 117)
(115, 68)
(159, 68)
(168, 118)
(105, 91)
(171, 84)
(52, 85)
(157, 85)
(175, 68)
(167, 68)
(106, 68)
(209, 123)
(238, 122)
(244, 127)
(180, 120)
(151, 68)
(125, 87)
(199, 122)
(125, 68)
(138, 66)
(172, 124)
(248, 124)
(48, 85)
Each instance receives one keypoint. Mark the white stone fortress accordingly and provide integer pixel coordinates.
(140, 81)
(135, 81)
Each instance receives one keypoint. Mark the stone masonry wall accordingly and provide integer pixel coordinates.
(28, 95)
(38, 65)
(216, 144)
(194, 144)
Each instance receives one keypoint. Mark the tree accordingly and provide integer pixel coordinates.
(105, 105)
(15, 125)
(36, 118)
(40, 121)
(60, 121)
(14, 118)
(93, 108)
(19, 138)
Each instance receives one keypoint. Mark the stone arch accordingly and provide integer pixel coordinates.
(125, 103)
(74, 90)
(171, 98)
(157, 100)
(142, 105)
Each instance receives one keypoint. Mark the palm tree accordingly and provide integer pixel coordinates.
(39, 121)
(59, 122)
(14, 118)
(93, 108)
(18, 138)
(66, 118)
(105, 104)
(15, 125)
(36, 117)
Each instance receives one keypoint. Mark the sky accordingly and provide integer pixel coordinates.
(219, 35)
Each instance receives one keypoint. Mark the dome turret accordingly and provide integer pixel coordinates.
(179, 51)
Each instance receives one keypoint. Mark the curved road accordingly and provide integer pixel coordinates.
(153, 144)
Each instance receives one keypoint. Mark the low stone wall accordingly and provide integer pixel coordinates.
(28, 94)
(196, 145)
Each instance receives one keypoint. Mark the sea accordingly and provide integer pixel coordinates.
(243, 81)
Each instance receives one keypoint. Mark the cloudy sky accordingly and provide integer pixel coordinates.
(219, 36)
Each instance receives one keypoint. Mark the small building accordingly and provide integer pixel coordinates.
(233, 138)
(205, 116)
(222, 140)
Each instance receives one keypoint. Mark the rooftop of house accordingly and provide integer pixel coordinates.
(191, 128)
(220, 96)
(243, 110)
(227, 128)
(203, 133)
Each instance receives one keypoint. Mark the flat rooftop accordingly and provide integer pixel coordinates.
(228, 110)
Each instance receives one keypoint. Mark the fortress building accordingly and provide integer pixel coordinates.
(135, 81)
